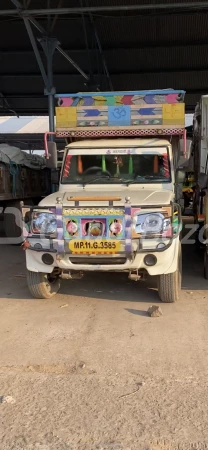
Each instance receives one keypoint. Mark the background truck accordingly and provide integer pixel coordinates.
(200, 154)
(23, 177)
(118, 207)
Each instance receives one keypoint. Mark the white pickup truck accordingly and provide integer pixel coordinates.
(118, 203)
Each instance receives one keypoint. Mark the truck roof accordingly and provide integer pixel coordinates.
(144, 142)
(122, 93)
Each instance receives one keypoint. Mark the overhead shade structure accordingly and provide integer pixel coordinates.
(25, 132)
(24, 125)
(39, 124)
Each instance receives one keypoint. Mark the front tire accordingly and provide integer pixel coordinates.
(42, 285)
(169, 285)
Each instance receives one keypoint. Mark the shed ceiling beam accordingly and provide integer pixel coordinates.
(36, 51)
(40, 96)
(60, 50)
(101, 52)
(133, 47)
(4, 105)
(114, 73)
(193, 6)
(56, 17)
(72, 62)
(39, 27)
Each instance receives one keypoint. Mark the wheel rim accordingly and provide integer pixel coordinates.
(51, 279)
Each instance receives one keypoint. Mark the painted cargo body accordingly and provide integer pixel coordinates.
(143, 112)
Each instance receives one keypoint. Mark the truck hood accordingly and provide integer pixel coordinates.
(142, 197)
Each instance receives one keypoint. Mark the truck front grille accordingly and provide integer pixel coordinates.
(95, 261)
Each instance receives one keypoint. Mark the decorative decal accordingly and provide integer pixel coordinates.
(66, 117)
(72, 227)
(93, 212)
(119, 115)
(115, 227)
(93, 228)
(174, 114)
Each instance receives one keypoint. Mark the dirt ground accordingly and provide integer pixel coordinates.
(89, 370)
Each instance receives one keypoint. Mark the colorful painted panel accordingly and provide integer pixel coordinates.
(121, 109)
(167, 96)
(93, 227)
(174, 113)
(66, 117)
(92, 116)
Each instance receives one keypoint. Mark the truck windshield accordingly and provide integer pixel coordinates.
(116, 166)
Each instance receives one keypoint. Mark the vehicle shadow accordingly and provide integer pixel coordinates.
(98, 285)
(112, 286)
(193, 272)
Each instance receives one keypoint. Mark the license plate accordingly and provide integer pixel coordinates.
(94, 246)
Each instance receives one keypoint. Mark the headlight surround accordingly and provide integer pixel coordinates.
(43, 223)
(152, 224)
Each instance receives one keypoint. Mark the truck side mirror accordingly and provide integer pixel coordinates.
(184, 157)
(180, 176)
(51, 162)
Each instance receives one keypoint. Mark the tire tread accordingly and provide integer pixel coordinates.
(169, 284)
(40, 287)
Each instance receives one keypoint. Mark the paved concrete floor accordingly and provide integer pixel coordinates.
(99, 373)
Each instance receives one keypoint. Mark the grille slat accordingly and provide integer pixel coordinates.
(95, 261)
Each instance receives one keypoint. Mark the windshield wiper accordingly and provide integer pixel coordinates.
(128, 182)
(96, 178)
(145, 177)
(154, 177)
(107, 177)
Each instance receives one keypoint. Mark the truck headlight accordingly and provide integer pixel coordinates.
(151, 224)
(43, 223)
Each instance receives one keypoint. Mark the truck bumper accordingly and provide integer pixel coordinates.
(166, 262)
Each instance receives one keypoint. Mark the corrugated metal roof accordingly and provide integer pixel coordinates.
(143, 50)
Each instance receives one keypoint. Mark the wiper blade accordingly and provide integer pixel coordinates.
(146, 177)
(107, 177)
(128, 182)
(154, 177)
(95, 179)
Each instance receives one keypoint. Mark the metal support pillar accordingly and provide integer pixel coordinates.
(36, 51)
(49, 45)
